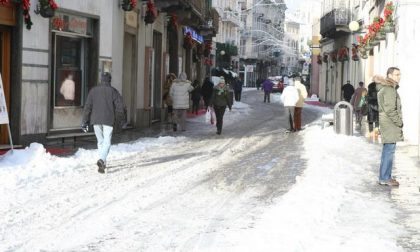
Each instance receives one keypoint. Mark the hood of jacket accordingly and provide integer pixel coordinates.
(181, 82)
(383, 82)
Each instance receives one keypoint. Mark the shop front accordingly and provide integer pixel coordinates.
(7, 24)
(74, 65)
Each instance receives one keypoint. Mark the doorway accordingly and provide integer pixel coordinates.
(129, 77)
(157, 85)
(5, 48)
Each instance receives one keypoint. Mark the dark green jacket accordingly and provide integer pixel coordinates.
(389, 105)
(220, 97)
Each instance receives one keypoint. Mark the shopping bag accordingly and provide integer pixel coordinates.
(208, 116)
(213, 117)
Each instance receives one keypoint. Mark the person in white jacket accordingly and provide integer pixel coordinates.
(299, 104)
(289, 97)
(179, 92)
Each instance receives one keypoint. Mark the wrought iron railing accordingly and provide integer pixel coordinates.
(334, 19)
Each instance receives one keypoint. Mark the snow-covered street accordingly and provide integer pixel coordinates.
(254, 188)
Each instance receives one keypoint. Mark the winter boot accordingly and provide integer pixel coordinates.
(101, 166)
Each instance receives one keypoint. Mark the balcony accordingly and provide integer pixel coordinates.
(334, 23)
(232, 17)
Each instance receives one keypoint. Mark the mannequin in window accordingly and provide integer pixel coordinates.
(68, 89)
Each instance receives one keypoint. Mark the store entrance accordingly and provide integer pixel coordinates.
(5, 75)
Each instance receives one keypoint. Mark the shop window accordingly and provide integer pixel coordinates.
(69, 78)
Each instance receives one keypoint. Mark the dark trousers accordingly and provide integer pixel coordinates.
(291, 111)
(371, 125)
(220, 112)
(195, 106)
(237, 96)
(298, 118)
(267, 96)
(206, 101)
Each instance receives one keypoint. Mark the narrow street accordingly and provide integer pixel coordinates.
(204, 192)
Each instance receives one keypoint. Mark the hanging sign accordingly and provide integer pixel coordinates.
(4, 118)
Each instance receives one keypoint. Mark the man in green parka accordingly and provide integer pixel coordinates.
(390, 122)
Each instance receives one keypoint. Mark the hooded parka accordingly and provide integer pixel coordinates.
(389, 106)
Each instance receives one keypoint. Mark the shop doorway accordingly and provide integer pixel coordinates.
(157, 85)
(5, 42)
(129, 77)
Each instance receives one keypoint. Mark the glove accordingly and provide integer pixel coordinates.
(85, 128)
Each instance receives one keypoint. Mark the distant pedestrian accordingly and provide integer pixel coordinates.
(267, 86)
(390, 122)
(373, 113)
(237, 88)
(219, 101)
(258, 83)
(348, 91)
(359, 102)
(207, 91)
(167, 97)
(196, 96)
(180, 95)
(289, 97)
(104, 107)
(303, 93)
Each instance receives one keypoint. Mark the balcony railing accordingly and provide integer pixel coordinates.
(229, 16)
(335, 22)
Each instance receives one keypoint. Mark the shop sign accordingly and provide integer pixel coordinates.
(249, 68)
(71, 23)
(195, 36)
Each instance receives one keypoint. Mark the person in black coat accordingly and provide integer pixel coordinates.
(196, 96)
(104, 106)
(207, 91)
(348, 91)
(237, 88)
(373, 113)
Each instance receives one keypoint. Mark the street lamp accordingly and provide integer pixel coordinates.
(222, 52)
(353, 27)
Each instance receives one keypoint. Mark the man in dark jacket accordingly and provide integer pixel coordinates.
(238, 89)
(104, 107)
(348, 91)
(390, 122)
(207, 90)
(373, 114)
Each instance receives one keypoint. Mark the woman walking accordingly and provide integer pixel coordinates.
(219, 101)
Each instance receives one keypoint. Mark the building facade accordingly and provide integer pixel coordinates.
(375, 54)
(48, 69)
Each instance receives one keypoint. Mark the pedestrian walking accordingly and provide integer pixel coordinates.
(373, 113)
(359, 102)
(196, 96)
(390, 122)
(348, 91)
(258, 83)
(237, 88)
(289, 97)
(267, 86)
(303, 93)
(207, 91)
(180, 96)
(219, 101)
(166, 96)
(103, 108)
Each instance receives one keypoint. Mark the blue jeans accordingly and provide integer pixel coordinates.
(103, 135)
(387, 159)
